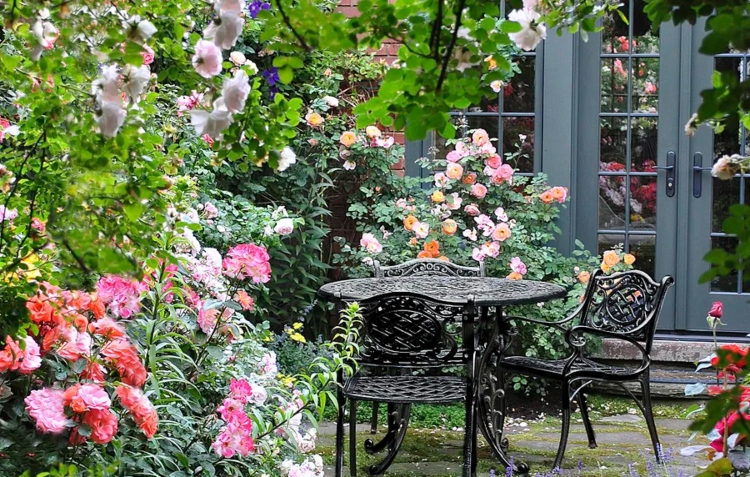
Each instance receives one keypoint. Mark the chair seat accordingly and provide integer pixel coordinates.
(553, 368)
(406, 389)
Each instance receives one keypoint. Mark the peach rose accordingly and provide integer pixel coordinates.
(629, 259)
(454, 170)
(348, 138)
(314, 119)
(610, 258)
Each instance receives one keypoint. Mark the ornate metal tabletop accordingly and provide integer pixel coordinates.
(487, 291)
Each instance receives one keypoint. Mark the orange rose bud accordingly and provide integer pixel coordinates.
(424, 254)
(444, 258)
(409, 222)
(469, 178)
(629, 259)
(413, 241)
(514, 276)
(584, 277)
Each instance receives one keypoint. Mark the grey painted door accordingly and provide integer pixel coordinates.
(707, 199)
(628, 132)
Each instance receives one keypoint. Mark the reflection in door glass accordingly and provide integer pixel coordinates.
(629, 64)
(729, 282)
(732, 140)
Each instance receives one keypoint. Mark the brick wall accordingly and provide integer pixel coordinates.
(338, 204)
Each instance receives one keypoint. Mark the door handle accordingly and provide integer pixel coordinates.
(670, 168)
(698, 174)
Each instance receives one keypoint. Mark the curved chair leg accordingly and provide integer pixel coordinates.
(374, 420)
(395, 412)
(649, 415)
(353, 438)
(565, 426)
(341, 403)
(586, 421)
(399, 421)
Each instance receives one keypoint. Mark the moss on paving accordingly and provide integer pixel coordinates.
(435, 445)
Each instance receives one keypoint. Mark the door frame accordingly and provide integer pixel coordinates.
(669, 132)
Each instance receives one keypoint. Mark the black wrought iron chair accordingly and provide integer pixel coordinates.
(423, 267)
(623, 306)
(403, 331)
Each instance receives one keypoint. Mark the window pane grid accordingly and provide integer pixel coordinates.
(732, 140)
(628, 116)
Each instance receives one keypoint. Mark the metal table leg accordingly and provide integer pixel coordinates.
(491, 402)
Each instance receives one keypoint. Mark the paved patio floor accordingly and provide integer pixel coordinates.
(624, 449)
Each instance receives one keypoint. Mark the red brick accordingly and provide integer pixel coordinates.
(401, 164)
(399, 138)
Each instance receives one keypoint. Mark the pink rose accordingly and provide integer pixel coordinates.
(502, 174)
(472, 210)
(46, 407)
(493, 161)
(478, 191)
(453, 156)
(480, 137)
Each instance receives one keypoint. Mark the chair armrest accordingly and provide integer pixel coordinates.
(559, 324)
(577, 342)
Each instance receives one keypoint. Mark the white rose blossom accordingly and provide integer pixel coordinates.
(139, 30)
(135, 81)
(207, 59)
(235, 91)
(726, 167)
(286, 159)
(532, 31)
(212, 123)
(225, 29)
(331, 101)
(284, 226)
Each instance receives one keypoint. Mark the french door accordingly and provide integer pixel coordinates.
(707, 199)
(656, 198)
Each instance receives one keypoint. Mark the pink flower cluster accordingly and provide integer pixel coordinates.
(71, 323)
(140, 408)
(121, 294)
(370, 243)
(248, 261)
(13, 358)
(186, 103)
(237, 436)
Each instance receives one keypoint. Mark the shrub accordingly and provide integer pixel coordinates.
(477, 210)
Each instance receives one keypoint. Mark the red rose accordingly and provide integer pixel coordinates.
(717, 309)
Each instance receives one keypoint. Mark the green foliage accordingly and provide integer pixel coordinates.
(724, 262)
(510, 220)
(727, 24)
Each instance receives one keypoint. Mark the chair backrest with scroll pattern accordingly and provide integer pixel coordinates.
(627, 303)
(408, 329)
(427, 267)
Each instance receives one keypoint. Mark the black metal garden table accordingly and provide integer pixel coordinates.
(490, 295)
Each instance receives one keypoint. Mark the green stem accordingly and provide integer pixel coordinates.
(155, 313)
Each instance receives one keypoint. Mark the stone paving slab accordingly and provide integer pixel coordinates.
(620, 438)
